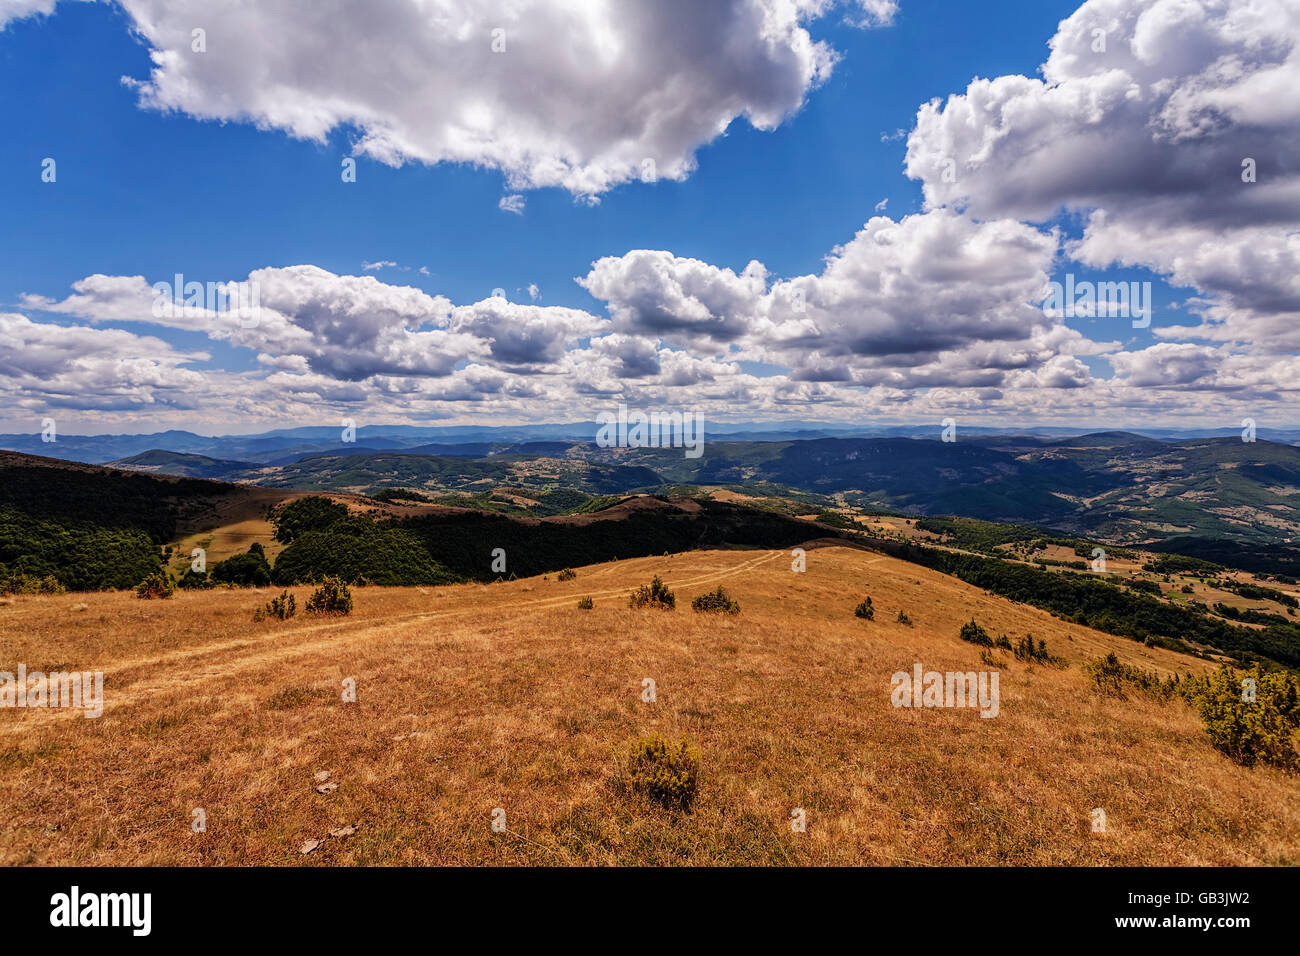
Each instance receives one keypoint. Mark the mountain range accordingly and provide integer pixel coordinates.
(1121, 487)
(283, 445)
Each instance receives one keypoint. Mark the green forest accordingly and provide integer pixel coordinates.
(90, 530)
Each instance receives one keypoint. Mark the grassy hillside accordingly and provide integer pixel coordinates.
(85, 528)
(476, 697)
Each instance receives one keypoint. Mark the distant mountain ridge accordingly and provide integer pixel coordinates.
(158, 461)
(1118, 486)
(286, 444)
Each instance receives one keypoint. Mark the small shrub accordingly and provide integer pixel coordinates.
(243, 570)
(718, 601)
(193, 580)
(903, 618)
(1025, 650)
(332, 597)
(29, 584)
(585, 603)
(156, 585)
(972, 633)
(282, 608)
(865, 610)
(991, 660)
(1003, 643)
(568, 574)
(667, 773)
(654, 594)
(1111, 677)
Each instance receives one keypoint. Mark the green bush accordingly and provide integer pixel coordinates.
(194, 580)
(654, 594)
(1111, 677)
(463, 541)
(1141, 584)
(156, 585)
(718, 601)
(30, 584)
(281, 608)
(568, 574)
(665, 772)
(1025, 650)
(903, 618)
(248, 570)
(332, 597)
(972, 633)
(865, 610)
(1249, 731)
(586, 603)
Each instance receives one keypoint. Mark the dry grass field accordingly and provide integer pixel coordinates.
(477, 697)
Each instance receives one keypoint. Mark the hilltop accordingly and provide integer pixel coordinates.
(88, 528)
(480, 696)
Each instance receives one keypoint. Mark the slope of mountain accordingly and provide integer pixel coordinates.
(161, 462)
(476, 696)
(362, 473)
(1121, 487)
(1116, 486)
(91, 528)
(99, 449)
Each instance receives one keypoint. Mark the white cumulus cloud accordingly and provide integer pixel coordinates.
(576, 94)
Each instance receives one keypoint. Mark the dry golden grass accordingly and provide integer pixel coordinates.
(226, 541)
(508, 696)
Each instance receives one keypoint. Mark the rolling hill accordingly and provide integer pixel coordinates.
(1116, 487)
(88, 528)
(477, 697)
(159, 462)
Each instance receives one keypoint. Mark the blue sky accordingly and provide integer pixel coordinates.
(145, 190)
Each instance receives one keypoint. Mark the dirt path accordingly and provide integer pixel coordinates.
(188, 668)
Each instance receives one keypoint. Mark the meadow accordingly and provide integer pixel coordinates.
(476, 698)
